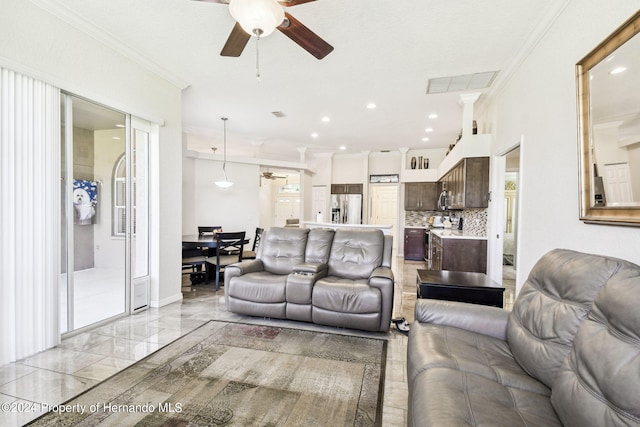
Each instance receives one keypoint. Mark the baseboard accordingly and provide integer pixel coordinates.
(173, 298)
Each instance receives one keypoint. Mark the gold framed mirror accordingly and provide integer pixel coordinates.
(608, 80)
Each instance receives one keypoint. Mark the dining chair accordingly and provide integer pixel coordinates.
(251, 254)
(193, 258)
(229, 248)
(208, 230)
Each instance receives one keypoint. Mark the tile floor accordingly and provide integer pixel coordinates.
(56, 375)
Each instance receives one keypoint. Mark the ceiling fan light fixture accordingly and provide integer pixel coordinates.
(257, 17)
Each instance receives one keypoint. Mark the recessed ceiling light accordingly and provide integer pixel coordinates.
(433, 116)
(342, 147)
(326, 119)
(425, 139)
(119, 125)
(314, 135)
(428, 130)
(115, 137)
(371, 105)
(618, 70)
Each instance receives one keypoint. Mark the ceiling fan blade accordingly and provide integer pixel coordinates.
(304, 37)
(287, 3)
(236, 42)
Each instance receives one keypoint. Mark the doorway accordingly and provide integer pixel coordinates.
(617, 181)
(279, 198)
(511, 185)
(384, 207)
(105, 214)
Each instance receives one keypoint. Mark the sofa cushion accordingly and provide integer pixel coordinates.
(282, 248)
(356, 253)
(553, 302)
(260, 287)
(448, 397)
(346, 295)
(437, 346)
(318, 245)
(599, 383)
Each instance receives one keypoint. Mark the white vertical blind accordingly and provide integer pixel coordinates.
(29, 215)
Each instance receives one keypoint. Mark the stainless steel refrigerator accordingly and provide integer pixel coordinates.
(346, 208)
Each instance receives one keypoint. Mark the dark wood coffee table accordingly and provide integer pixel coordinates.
(475, 288)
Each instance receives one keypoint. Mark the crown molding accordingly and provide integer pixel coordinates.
(553, 13)
(61, 11)
(282, 164)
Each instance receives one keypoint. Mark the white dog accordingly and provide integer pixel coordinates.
(82, 204)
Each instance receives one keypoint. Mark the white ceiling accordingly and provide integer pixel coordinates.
(384, 52)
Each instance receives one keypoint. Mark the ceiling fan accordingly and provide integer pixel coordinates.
(270, 175)
(260, 17)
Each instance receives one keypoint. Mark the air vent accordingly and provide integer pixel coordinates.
(460, 83)
(278, 113)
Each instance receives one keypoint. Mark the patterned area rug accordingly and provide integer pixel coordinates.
(232, 374)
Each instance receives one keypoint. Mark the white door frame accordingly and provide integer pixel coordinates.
(495, 232)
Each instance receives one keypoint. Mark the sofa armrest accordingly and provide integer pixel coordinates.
(244, 267)
(477, 318)
(311, 268)
(381, 273)
(382, 279)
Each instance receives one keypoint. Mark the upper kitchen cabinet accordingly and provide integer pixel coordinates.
(420, 196)
(346, 188)
(468, 183)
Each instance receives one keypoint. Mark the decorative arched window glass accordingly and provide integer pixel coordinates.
(119, 197)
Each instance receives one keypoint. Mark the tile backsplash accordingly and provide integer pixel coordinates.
(474, 221)
(418, 218)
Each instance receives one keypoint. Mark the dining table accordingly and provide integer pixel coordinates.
(202, 240)
(192, 241)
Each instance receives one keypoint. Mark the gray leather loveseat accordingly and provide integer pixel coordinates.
(568, 353)
(338, 278)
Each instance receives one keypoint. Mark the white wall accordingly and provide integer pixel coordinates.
(538, 103)
(235, 209)
(384, 163)
(45, 47)
(347, 169)
(267, 208)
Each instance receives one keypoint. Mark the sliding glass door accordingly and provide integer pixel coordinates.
(139, 190)
(105, 192)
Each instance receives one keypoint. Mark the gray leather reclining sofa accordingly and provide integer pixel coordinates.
(568, 353)
(339, 278)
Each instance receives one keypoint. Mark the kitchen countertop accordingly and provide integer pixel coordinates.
(448, 233)
(386, 229)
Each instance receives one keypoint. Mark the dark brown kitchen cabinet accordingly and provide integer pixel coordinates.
(346, 188)
(468, 183)
(414, 244)
(420, 196)
(458, 254)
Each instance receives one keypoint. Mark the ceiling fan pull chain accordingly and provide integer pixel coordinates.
(258, 58)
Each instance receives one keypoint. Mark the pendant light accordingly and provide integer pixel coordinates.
(226, 183)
